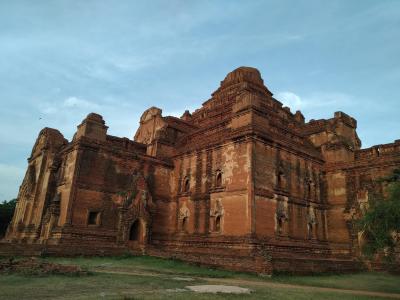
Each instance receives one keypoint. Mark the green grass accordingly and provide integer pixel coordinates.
(378, 282)
(375, 282)
(122, 286)
(96, 286)
(147, 263)
(107, 286)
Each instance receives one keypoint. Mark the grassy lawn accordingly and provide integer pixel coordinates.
(145, 263)
(376, 282)
(158, 282)
(107, 286)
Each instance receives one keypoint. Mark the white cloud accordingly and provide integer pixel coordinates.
(69, 103)
(315, 100)
(291, 100)
(178, 113)
(75, 102)
(318, 104)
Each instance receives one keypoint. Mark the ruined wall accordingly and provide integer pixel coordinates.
(105, 179)
(241, 183)
(363, 182)
(337, 140)
(211, 190)
(289, 191)
(37, 187)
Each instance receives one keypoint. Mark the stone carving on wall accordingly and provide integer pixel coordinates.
(362, 201)
(311, 217)
(137, 203)
(151, 123)
(217, 213)
(218, 209)
(282, 216)
(282, 177)
(311, 221)
(356, 211)
(359, 204)
(28, 185)
(184, 214)
(309, 189)
(51, 216)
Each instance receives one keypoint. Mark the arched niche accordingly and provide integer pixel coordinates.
(137, 232)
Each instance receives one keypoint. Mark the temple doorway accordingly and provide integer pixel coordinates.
(137, 234)
(134, 233)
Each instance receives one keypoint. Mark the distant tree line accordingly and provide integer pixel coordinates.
(6, 213)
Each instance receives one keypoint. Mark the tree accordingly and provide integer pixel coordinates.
(6, 213)
(380, 224)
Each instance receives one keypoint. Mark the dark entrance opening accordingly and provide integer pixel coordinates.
(219, 180)
(280, 226)
(309, 189)
(218, 224)
(93, 218)
(187, 185)
(184, 224)
(135, 231)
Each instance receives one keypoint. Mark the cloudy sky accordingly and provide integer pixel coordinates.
(60, 60)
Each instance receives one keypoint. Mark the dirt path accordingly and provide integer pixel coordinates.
(254, 283)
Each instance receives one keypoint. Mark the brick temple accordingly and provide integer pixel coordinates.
(241, 183)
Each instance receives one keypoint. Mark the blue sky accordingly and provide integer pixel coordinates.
(60, 60)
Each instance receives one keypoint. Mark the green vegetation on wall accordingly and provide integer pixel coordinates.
(381, 222)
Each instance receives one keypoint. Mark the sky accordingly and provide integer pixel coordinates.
(60, 60)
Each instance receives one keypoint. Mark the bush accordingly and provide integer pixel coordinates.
(6, 213)
(380, 224)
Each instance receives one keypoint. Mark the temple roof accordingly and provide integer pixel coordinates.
(242, 74)
(239, 77)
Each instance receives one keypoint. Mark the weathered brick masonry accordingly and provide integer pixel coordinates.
(241, 183)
